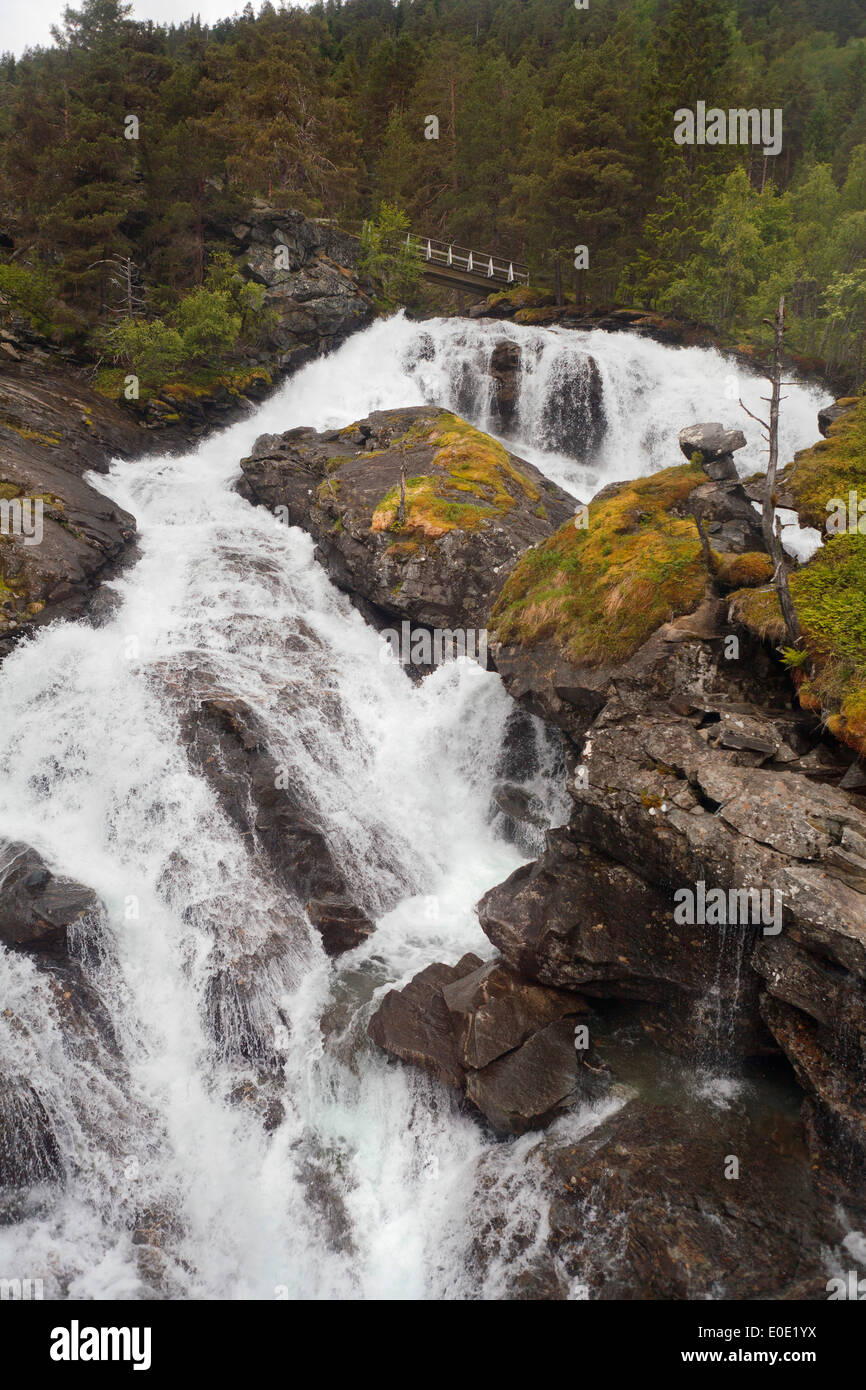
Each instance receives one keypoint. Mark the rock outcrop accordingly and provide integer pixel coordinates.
(227, 744)
(716, 447)
(312, 292)
(507, 1044)
(648, 1205)
(436, 554)
(697, 779)
(55, 922)
(59, 536)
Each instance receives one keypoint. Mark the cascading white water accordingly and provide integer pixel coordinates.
(373, 1184)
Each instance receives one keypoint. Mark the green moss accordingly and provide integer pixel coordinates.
(832, 468)
(743, 571)
(470, 463)
(829, 592)
(599, 592)
(48, 441)
(521, 297)
(196, 385)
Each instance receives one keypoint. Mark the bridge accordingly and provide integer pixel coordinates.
(461, 268)
(457, 267)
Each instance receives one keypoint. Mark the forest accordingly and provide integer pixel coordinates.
(554, 128)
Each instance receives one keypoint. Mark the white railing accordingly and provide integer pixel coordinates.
(482, 263)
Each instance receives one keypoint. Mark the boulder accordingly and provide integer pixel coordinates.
(644, 1207)
(573, 420)
(415, 1025)
(227, 742)
(38, 911)
(471, 509)
(505, 363)
(716, 447)
(504, 1042)
(529, 1087)
(494, 1011)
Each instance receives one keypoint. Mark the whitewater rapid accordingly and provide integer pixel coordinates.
(372, 1184)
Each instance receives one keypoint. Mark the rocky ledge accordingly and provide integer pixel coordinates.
(433, 548)
(59, 537)
(712, 874)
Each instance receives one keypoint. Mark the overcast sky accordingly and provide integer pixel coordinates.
(26, 23)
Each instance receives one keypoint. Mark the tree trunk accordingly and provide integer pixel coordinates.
(772, 538)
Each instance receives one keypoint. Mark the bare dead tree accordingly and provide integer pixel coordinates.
(769, 522)
(123, 277)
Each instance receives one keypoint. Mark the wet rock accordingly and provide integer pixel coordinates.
(61, 536)
(506, 1043)
(494, 1011)
(29, 1152)
(505, 371)
(529, 1087)
(573, 421)
(475, 510)
(227, 743)
(341, 926)
(643, 1208)
(37, 909)
(414, 1023)
(519, 804)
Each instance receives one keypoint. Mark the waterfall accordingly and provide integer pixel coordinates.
(366, 1180)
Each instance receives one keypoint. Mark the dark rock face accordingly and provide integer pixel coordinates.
(414, 1024)
(37, 910)
(438, 575)
(507, 1044)
(28, 1147)
(307, 269)
(52, 430)
(505, 371)
(225, 741)
(697, 770)
(54, 921)
(573, 421)
(831, 413)
(642, 1208)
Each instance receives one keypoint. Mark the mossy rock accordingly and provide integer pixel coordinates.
(829, 592)
(743, 571)
(521, 297)
(468, 488)
(831, 469)
(599, 591)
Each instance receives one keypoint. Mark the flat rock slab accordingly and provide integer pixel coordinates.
(642, 1208)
